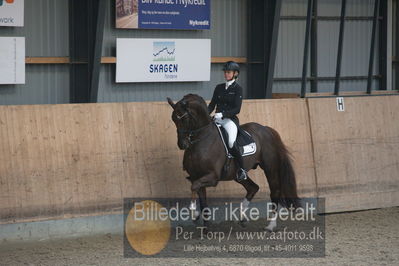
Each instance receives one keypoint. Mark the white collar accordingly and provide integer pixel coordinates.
(228, 83)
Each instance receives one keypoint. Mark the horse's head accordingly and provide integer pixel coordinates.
(189, 114)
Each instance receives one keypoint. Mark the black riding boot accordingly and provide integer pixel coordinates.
(241, 173)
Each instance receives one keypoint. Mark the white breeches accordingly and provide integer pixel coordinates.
(231, 129)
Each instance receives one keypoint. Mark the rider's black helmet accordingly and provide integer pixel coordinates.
(231, 66)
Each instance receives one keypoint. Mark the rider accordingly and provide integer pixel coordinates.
(227, 97)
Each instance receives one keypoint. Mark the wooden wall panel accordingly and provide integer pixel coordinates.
(60, 161)
(356, 152)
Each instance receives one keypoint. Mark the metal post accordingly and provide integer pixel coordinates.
(306, 49)
(86, 24)
(383, 46)
(340, 43)
(79, 45)
(97, 50)
(271, 47)
(397, 48)
(313, 50)
(249, 93)
(264, 20)
(372, 46)
(256, 67)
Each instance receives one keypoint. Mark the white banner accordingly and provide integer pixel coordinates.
(12, 60)
(12, 13)
(163, 60)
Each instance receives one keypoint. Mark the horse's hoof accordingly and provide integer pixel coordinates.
(195, 216)
(196, 220)
(243, 223)
(270, 228)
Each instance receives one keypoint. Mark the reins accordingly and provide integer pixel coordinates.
(193, 132)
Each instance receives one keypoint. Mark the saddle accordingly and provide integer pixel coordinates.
(246, 145)
(244, 140)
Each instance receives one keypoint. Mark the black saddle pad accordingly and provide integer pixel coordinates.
(243, 138)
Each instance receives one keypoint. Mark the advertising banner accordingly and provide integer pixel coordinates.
(12, 60)
(163, 14)
(12, 13)
(163, 60)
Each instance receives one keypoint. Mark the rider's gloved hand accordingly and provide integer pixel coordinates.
(218, 116)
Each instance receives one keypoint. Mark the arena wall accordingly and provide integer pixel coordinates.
(63, 161)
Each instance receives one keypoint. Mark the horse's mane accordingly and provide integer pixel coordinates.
(196, 100)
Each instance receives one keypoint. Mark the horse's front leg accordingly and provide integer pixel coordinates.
(198, 187)
(203, 205)
(209, 180)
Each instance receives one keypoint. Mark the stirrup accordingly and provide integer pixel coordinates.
(241, 175)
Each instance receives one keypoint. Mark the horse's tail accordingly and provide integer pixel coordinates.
(288, 190)
(286, 174)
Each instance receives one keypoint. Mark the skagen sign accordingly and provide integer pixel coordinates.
(163, 60)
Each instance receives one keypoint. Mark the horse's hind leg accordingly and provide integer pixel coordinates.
(251, 187)
(275, 194)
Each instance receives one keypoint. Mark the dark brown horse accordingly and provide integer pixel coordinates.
(205, 155)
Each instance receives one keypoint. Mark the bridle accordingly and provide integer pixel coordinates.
(180, 117)
(190, 133)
